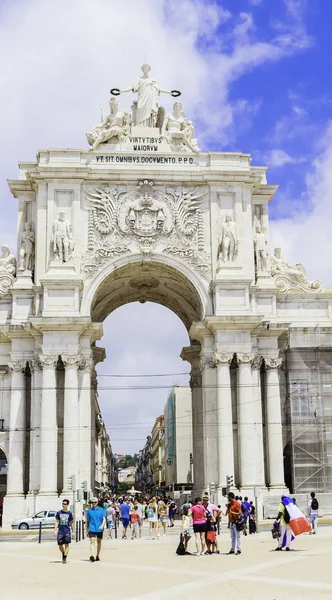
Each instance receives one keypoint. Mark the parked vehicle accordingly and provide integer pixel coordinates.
(45, 517)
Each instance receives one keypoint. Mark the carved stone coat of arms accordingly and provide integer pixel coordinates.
(146, 219)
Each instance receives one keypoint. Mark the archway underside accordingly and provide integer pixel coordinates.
(148, 281)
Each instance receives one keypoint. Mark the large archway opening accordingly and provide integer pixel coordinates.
(147, 310)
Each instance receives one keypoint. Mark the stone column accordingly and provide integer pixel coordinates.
(258, 443)
(276, 477)
(209, 397)
(35, 422)
(17, 427)
(86, 437)
(191, 354)
(48, 428)
(71, 421)
(224, 418)
(245, 421)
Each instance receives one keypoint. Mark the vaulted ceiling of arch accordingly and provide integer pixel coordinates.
(145, 282)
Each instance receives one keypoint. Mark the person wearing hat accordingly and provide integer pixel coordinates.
(94, 526)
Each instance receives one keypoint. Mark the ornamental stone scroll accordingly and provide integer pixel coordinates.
(223, 357)
(245, 358)
(273, 363)
(70, 360)
(86, 364)
(207, 361)
(17, 366)
(257, 362)
(48, 361)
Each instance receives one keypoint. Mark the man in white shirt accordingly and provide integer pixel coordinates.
(313, 506)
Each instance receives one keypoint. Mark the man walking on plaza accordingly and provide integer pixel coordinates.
(313, 507)
(64, 529)
(125, 517)
(94, 527)
(234, 512)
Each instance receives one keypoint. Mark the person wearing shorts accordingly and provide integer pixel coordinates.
(94, 526)
(162, 516)
(125, 517)
(64, 529)
(135, 521)
(198, 513)
(110, 517)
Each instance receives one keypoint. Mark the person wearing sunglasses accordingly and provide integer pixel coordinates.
(64, 529)
(94, 526)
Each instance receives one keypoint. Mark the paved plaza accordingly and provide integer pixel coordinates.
(150, 570)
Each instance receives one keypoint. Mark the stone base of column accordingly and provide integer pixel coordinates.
(14, 507)
(47, 501)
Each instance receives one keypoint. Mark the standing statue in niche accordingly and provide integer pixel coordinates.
(180, 131)
(27, 249)
(229, 242)
(261, 250)
(148, 92)
(7, 261)
(62, 239)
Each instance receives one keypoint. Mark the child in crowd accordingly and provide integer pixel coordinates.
(135, 521)
(185, 527)
(211, 534)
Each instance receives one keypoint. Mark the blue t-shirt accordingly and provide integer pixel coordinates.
(124, 510)
(247, 505)
(64, 518)
(95, 516)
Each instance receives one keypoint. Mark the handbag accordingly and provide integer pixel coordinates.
(275, 531)
(240, 523)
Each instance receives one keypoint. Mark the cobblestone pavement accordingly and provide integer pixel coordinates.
(150, 570)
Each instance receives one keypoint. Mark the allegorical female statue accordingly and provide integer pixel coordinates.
(7, 261)
(148, 92)
(179, 129)
(115, 125)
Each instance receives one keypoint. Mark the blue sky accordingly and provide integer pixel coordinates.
(255, 77)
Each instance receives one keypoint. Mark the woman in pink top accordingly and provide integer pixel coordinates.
(198, 513)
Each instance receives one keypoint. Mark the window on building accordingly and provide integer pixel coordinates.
(300, 401)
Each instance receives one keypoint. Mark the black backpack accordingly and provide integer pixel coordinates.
(181, 549)
(314, 504)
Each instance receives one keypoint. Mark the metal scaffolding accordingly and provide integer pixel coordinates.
(309, 390)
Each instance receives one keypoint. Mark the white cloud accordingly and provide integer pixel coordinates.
(59, 61)
(279, 158)
(306, 238)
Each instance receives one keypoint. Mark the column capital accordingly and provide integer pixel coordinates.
(35, 365)
(71, 360)
(207, 361)
(244, 358)
(86, 364)
(257, 362)
(223, 357)
(17, 366)
(48, 360)
(273, 363)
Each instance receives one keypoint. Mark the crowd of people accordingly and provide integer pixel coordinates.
(201, 517)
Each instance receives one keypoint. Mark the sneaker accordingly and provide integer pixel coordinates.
(288, 549)
(314, 533)
(278, 549)
(64, 558)
(238, 552)
(97, 559)
(92, 558)
(231, 552)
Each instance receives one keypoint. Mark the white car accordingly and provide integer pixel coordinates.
(45, 517)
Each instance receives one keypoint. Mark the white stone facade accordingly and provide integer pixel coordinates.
(143, 218)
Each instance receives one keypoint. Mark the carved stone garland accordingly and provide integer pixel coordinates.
(146, 220)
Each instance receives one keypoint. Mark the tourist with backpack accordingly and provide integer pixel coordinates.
(313, 507)
(285, 529)
(235, 519)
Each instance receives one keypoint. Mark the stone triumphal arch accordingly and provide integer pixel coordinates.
(145, 215)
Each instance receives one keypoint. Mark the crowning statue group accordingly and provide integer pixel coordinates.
(202, 517)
